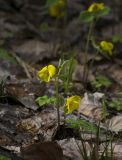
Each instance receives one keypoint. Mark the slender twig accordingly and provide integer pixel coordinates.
(22, 64)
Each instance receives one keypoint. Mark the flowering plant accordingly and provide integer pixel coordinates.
(63, 72)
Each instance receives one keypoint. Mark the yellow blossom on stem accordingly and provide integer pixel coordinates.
(95, 7)
(107, 47)
(57, 9)
(72, 103)
(47, 72)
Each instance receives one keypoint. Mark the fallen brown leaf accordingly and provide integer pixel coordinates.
(90, 106)
(42, 151)
(115, 123)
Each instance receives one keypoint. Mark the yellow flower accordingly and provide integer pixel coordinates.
(95, 7)
(107, 47)
(47, 73)
(72, 103)
(57, 9)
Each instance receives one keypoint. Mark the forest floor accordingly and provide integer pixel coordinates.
(31, 39)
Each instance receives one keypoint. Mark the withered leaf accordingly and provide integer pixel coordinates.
(42, 151)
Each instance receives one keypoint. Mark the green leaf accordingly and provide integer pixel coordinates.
(9, 34)
(103, 12)
(116, 104)
(104, 109)
(117, 38)
(120, 93)
(65, 109)
(86, 16)
(67, 69)
(80, 123)
(44, 100)
(101, 81)
(4, 158)
(5, 55)
(50, 2)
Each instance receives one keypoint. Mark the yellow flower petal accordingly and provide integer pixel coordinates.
(107, 46)
(47, 72)
(51, 70)
(72, 103)
(95, 7)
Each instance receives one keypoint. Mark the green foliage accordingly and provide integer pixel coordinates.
(104, 109)
(65, 110)
(103, 12)
(5, 55)
(117, 38)
(9, 34)
(66, 69)
(80, 123)
(50, 2)
(87, 16)
(101, 81)
(116, 104)
(4, 158)
(44, 100)
(94, 151)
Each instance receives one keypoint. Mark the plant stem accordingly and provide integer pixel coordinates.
(57, 101)
(69, 76)
(85, 74)
(92, 62)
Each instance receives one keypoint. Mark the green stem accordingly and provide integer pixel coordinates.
(69, 76)
(92, 62)
(57, 101)
(85, 75)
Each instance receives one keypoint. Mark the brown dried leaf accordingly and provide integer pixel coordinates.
(71, 149)
(34, 50)
(90, 106)
(42, 151)
(31, 125)
(44, 123)
(115, 73)
(115, 123)
(24, 92)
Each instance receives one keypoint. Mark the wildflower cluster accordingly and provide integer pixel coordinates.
(46, 74)
(65, 69)
(94, 8)
(57, 9)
